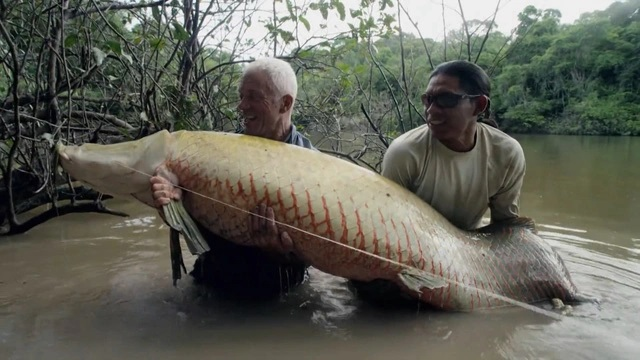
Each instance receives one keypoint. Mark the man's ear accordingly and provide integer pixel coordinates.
(482, 104)
(287, 102)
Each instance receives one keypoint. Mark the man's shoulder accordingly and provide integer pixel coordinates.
(411, 138)
(501, 141)
(297, 138)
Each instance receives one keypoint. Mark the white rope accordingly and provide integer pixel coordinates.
(450, 281)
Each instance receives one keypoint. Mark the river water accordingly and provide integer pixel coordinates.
(96, 286)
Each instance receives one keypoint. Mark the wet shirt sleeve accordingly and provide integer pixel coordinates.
(505, 203)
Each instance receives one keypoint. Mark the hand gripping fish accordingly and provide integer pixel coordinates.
(343, 219)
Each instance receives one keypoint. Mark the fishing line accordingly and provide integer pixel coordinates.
(530, 307)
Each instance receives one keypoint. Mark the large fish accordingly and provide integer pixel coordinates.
(344, 219)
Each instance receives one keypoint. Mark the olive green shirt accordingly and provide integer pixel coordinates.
(460, 185)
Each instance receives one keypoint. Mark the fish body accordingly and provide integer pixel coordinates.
(343, 219)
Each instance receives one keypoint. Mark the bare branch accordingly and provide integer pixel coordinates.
(7, 173)
(489, 28)
(96, 116)
(113, 6)
(85, 207)
(465, 26)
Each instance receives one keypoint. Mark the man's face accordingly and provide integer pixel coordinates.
(448, 109)
(259, 105)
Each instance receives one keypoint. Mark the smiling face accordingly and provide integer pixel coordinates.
(451, 113)
(266, 113)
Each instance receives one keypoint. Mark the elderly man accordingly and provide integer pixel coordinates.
(268, 89)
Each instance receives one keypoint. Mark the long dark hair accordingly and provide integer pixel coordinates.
(473, 80)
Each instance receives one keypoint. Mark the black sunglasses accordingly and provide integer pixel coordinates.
(445, 100)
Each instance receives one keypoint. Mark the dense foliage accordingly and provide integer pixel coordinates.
(103, 71)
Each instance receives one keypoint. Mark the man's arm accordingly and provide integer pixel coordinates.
(505, 203)
(400, 165)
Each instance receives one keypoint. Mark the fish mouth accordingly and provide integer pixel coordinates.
(59, 148)
(435, 122)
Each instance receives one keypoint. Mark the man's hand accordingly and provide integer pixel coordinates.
(162, 187)
(264, 231)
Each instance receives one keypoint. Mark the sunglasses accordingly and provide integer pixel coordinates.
(445, 100)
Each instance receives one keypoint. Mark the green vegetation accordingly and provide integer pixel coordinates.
(85, 71)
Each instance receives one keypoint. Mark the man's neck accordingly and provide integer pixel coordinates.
(282, 133)
(465, 142)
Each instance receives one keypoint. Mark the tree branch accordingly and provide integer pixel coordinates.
(112, 6)
(96, 116)
(7, 174)
(486, 36)
(373, 126)
(465, 26)
(86, 207)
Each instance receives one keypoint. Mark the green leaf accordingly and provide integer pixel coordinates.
(386, 3)
(343, 67)
(179, 32)
(388, 19)
(324, 11)
(304, 22)
(157, 43)
(155, 11)
(71, 40)
(287, 36)
(340, 7)
(290, 9)
(99, 55)
(115, 46)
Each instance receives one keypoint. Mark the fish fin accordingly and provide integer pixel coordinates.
(177, 261)
(179, 219)
(524, 222)
(416, 279)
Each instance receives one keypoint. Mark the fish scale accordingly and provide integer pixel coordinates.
(343, 219)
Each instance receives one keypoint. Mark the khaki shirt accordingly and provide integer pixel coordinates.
(461, 186)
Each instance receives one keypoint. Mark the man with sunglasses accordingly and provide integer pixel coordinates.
(457, 163)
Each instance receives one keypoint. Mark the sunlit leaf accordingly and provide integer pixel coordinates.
(179, 32)
(304, 22)
(157, 43)
(99, 55)
(127, 57)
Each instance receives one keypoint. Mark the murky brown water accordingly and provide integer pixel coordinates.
(99, 287)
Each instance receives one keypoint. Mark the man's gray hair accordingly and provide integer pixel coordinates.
(279, 71)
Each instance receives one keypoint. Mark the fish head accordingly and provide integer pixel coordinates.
(121, 169)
